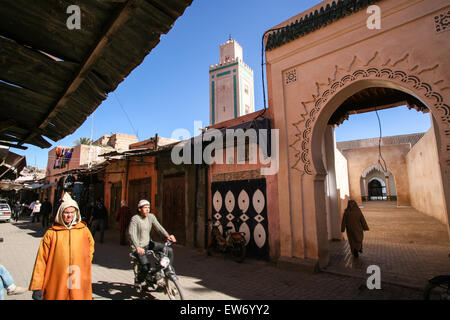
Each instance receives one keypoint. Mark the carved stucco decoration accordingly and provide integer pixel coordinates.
(411, 77)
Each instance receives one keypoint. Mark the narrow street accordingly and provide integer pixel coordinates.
(202, 277)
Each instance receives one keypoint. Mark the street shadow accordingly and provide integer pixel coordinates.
(112, 256)
(34, 229)
(118, 291)
(220, 273)
(110, 253)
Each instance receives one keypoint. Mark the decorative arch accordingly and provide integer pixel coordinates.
(374, 167)
(397, 74)
(423, 83)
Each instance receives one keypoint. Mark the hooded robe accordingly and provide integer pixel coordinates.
(123, 217)
(353, 220)
(63, 264)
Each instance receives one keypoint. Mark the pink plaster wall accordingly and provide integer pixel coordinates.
(395, 156)
(425, 181)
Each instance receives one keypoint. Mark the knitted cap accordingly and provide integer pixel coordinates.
(143, 203)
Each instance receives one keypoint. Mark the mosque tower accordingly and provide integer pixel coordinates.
(231, 85)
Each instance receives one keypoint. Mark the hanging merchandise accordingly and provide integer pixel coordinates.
(63, 156)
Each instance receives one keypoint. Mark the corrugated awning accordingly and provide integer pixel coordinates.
(52, 78)
(45, 186)
(34, 186)
(10, 164)
(10, 185)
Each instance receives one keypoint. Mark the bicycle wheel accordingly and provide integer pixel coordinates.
(173, 289)
(238, 251)
(437, 291)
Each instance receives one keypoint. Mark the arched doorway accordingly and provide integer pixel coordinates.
(377, 186)
(377, 189)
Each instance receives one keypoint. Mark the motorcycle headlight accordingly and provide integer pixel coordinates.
(164, 262)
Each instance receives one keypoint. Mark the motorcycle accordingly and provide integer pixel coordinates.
(233, 242)
(162, 277)
(438, 288)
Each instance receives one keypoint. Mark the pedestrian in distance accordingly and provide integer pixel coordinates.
(7, 282)
(16, 210)
(36, 210)
(354, 222)
(31, 208)
(62, 270)
(98, 219)
(46, 209)
(123, 217)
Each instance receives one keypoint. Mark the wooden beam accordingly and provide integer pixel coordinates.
(13, 145)
(5, 124)
(122, 16)
(13, 166)
(378, 108)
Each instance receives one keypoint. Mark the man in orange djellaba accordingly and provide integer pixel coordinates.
(62, 270)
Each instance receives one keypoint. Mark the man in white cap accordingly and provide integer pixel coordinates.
(139, 230)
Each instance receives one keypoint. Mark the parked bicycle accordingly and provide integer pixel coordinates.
(233, 242)
(161, 277)
(438, 288)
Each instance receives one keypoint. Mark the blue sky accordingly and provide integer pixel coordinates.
(169, 90)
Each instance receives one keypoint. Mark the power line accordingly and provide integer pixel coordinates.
(123, 109)
(380, 157)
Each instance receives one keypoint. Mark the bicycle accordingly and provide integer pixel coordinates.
(233, 242)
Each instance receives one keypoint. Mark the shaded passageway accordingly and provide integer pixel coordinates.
(408, 246)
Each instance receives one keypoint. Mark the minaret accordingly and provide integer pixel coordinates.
(231, 85)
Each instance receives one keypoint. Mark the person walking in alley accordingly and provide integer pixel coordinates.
(123, 217)
(98, 219)
(46, 209)
(354, 222)
(16, 210)
(62, 270)
(35, 211)
(7, 282)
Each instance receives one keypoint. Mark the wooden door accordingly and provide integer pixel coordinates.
(173, 210)
(139, 189)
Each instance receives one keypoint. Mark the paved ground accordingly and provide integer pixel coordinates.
(408, 246)
(202, 277)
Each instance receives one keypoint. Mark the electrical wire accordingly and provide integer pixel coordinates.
(381, 160)
(262, 69)
(123, 109)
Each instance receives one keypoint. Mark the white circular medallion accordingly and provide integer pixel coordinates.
(229, 201)
(259, 235)
(217, 201)
(243, 201)
(258, 201)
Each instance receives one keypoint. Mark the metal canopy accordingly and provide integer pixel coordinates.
(53, 78)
